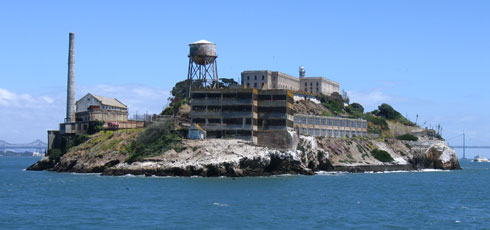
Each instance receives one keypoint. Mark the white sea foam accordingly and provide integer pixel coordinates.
(221, 204)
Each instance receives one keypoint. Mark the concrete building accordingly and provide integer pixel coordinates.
(329, 126)
(92, 107)
(319, 85)
(266, 79)
(241, 112)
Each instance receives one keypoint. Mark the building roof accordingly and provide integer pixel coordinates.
(202, 42)
(109, 101)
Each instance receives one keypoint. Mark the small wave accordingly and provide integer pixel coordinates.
(221, 204)
(329, 173)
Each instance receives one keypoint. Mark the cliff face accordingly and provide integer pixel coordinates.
(104, 153)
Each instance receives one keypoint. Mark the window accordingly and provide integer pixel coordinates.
(317, 132)
(311, 83)
(329, 132)
(317, 121)
(317, 84)
(324, 121)
(303, 120)
(255, 77)
(317, 89)
(330, 122)
(255, 84)
(248, 78)
(324, 132)
(263, 78)
(310, 120)
(335, 122)
(248, 85)
(296, 119)
(306, 84)
(306, 89)
(262, 85)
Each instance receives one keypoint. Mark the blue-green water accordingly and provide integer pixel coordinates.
(404, 200)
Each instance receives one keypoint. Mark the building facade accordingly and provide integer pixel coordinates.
(265, 79)
(241, 112)
(329, 126)
(319, 85)
(92, 107)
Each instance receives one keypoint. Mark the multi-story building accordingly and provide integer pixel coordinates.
(318, 85)
(241, 112)
(329, 126)
(265, 79)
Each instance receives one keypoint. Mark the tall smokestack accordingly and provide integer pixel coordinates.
(70, 91)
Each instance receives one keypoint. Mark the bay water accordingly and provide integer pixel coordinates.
(396, 200)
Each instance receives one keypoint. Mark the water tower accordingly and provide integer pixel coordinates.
(202, 64)
(302, 72)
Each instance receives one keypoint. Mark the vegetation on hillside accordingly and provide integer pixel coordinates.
(407, 137)
(158, 138)
(382, 155)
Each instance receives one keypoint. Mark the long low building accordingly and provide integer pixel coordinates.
(329, 126)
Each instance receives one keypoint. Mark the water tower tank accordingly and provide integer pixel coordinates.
(302, 72)
(202, 52)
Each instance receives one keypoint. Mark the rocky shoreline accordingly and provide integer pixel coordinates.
(237, 158)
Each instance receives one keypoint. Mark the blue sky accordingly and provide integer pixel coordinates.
(430, 58)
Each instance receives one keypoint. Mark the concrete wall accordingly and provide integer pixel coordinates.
(275, 139)
(317, 85)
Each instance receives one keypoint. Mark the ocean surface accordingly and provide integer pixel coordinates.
(397, 200)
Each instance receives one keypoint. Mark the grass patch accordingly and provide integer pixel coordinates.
(382, 155)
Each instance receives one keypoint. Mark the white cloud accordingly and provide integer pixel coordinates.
(26, 116)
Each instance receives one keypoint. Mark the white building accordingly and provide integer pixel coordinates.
(92, 107)
(266, 79)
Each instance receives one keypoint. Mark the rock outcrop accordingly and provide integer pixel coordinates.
(229, 157)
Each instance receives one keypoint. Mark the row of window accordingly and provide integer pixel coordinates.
(311, 84)
(255, 85)
(329, 122)
(255, 78)
(330, 132)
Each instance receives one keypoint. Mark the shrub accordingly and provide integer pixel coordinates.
(156, 139)
(382, 155)
(95, 127)
(407, 137)
(55, 154)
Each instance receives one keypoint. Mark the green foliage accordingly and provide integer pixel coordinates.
(382, 155)
(156, 139)
(407, 137)
(95, 127)
(359, 148)
(334, 103)
(376, 124)
(227, 82)
(408, 146)
(386, 111)
(355, 109)
(55, 154)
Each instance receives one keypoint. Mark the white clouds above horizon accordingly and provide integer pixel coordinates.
(25, 116)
